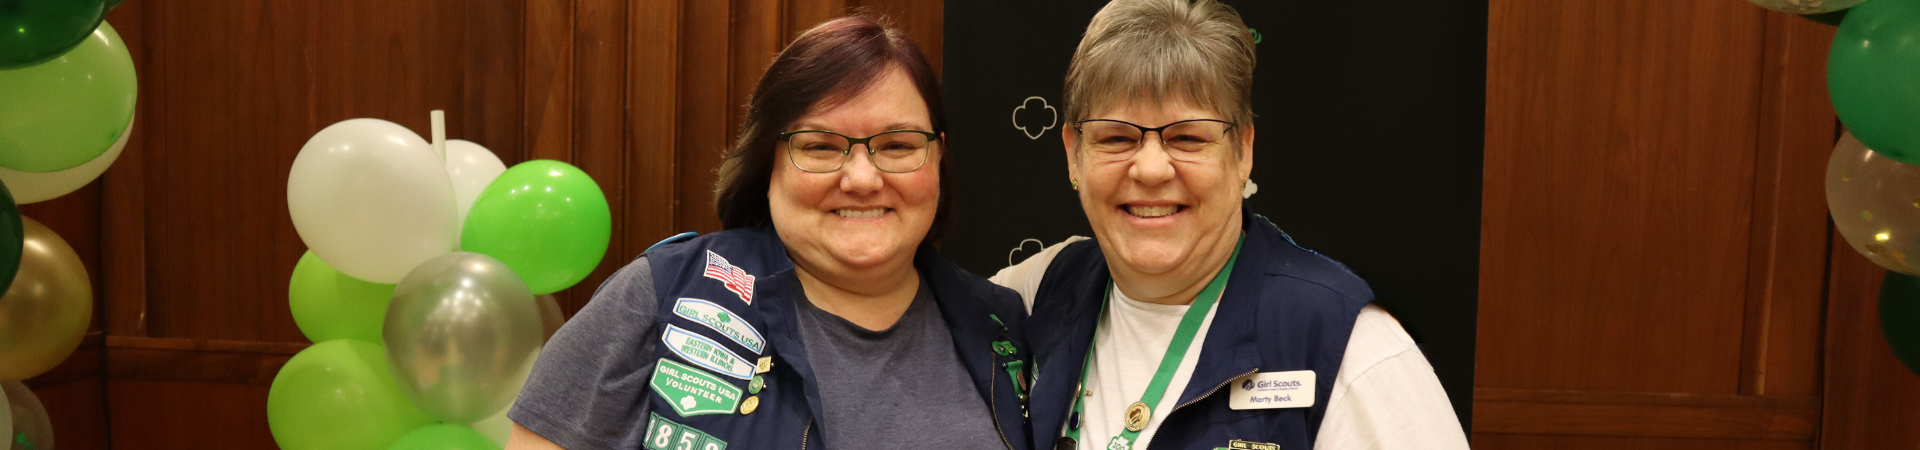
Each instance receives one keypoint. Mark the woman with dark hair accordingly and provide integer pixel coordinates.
(821, 317)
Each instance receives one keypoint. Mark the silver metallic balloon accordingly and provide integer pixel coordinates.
(1806, 6)
(460, 332)
(1875, 202)
(45, 312)
(31, 427)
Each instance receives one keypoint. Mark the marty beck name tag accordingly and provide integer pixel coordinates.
(1269, 390)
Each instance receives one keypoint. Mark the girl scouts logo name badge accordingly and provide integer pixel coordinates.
(1269, 390)
(706, 353)
(721, 320)
(733, 278)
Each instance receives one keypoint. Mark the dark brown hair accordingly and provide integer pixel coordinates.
(823, 67)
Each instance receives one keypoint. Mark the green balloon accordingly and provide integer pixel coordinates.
(1870, 76)
(338, 394)
(65, 112)
(330, 305)
(34, 31)
(1900, 317)
(442, 436)
(12, 237)
(545, 219)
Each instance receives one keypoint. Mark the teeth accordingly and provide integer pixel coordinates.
(1152, 211)
(860, 213)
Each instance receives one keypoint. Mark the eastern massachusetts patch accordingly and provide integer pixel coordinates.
(722, 320)
(663, 434)
(692, 391)
(706, 353)
(733, 278)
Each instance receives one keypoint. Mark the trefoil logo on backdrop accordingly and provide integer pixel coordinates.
(1031, 120)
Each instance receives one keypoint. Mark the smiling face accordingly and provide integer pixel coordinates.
(858, 217)
(1159, 213)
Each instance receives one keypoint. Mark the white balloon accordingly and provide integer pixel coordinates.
(471, 167)
(372, 199)
(28, 187)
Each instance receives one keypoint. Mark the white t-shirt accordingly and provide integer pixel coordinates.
(1385, 397)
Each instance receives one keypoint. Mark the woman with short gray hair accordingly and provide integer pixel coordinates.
(1190, 321)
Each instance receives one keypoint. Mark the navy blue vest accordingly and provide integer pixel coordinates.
(745, 274)
(1285, 309)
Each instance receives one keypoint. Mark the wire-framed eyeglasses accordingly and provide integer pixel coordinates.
(1186, 140)
(821, 151)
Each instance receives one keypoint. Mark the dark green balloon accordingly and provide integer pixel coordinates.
(34, 31)
(1871, 76)
(111, 4)
(1832, 18)
(1900, 317)
(12, 236)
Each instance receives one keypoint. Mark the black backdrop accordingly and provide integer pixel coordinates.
(1370, 119)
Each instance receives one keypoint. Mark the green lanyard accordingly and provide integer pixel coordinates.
(1141, 412)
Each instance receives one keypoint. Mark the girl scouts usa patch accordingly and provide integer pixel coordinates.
(692, 391)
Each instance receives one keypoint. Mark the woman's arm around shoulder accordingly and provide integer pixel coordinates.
(1024, 277)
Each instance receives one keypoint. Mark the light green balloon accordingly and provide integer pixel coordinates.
(65, 112)
(330, 305)
(442, 436)
(338, 395)
(545, 219)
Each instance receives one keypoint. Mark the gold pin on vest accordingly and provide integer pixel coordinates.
(1137, 416)
(749, 405)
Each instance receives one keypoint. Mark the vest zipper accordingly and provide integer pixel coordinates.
(1210, 392)
(804, 432)
(993, 397)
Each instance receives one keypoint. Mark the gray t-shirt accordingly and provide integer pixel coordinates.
(898, 388)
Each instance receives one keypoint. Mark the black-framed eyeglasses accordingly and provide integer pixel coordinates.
(1186, 140)
(821, 151)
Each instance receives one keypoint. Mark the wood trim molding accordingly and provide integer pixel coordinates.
(197, 360)
(1714, 416)
(84, 363)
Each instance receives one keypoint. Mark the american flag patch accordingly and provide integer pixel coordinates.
(735, 279)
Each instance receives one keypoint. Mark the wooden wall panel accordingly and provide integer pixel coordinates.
(1631, 225)
(180, 415)
(1870, 398)
(1654, 235)
(78, 412)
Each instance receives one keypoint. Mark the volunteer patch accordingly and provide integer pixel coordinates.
(691, 391)
(663, 434)
(733, 278)
(706, 353)
(720, 319)
(1269, 390)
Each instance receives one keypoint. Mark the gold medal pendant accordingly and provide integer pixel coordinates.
(1137, 416)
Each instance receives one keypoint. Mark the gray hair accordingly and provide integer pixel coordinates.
(1160, 50)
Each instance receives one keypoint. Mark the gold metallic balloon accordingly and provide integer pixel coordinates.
(31, 427)
(460, 332)
(46, 311)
